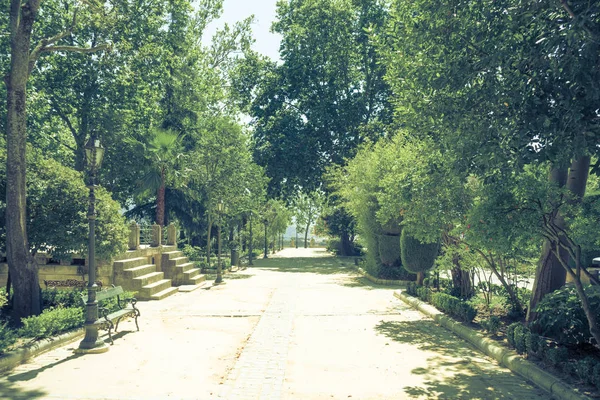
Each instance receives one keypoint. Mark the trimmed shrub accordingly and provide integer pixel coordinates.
(416, 256)
(491, 325)
(65, 298)
(453, 306)
(556, 355)
(389, 250)
(510, 333)
(51, 322)
(519, 335)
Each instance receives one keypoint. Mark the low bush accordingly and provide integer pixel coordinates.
(453, 306)
(491, 325)
(7, 337)
(194, 253)
(557, 355)
(510, 333)
(519, 338)
(560, 316)
(66, 298)
(51, 322)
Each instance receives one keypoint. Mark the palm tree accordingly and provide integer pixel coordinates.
(164, 149)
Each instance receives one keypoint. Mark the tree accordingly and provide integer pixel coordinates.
(306, 211)
(326, 96)
(164, 152)
(22, 267)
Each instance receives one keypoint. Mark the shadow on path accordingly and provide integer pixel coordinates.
(8, 391)
(456, 371)
(314, 265)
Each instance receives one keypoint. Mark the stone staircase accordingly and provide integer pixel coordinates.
(181, 271)
(141, 276)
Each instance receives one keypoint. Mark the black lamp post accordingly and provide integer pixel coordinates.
(266, 222)
(219, 269)
(91, 343)
(250, 243)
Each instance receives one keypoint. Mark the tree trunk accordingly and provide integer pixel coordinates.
(22, 266)
(420, 278)
(345, 247)
(306, 234)
(160, 203)
(550, 274)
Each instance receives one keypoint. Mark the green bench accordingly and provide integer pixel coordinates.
(110, 321)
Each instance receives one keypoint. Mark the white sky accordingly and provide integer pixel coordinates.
(266, 42)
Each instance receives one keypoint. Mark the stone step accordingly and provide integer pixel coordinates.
(195, 279)
(190, 272)
(147, 279)
(164, 293)
(181, 268)
(191, 288)
(178, 261)
(172, 254)
(130, 263)
(151, 289)
(141, 270)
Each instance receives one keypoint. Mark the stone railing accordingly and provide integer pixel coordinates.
(151, 235)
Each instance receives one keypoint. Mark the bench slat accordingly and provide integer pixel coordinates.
(104, 294)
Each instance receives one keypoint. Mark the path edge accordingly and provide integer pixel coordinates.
(19, 356)
(382, 281)
(505, 357)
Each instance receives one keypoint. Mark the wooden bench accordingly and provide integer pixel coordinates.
(110, 321)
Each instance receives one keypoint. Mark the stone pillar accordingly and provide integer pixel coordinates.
(171, 235)
(156, 236)
(134, 236)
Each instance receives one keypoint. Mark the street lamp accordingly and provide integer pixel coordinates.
(250, 242)
(91, 343)
(219, 269)
(266, 222)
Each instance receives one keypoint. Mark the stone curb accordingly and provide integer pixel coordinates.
(503, 356)
(381, 281)
(16, 357)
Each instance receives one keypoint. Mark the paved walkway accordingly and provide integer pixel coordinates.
(290, 328)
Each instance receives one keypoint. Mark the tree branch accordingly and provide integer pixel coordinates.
(75, 49)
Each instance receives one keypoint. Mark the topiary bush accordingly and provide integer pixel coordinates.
(510, 333)
(51, 322)
(560, 316)
(453, 306)
(417, 257)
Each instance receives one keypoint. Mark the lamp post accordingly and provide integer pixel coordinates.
(266, 222)
(219, 270)
(250, 244)
(91, 343)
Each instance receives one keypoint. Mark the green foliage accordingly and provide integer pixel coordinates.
(417, 256)
(51, 322)
(491, 325)
(7, 337)
(194, 253)
(57, 298)
(557, 355)
(519, 338)
(510, 333)
(389, 251)
(453, 306)
(57, 203)
(561, 316)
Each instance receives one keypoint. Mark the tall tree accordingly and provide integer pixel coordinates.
(22, 18)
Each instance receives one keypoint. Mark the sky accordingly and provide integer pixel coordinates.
(266, 42)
